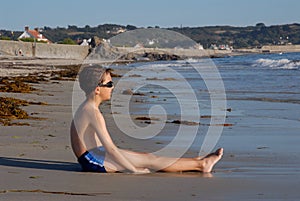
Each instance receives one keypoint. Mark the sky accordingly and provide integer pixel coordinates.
(15, 15)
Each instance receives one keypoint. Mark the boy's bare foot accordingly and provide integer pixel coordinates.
(208, 162)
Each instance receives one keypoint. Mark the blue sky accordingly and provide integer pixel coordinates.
(14, 15)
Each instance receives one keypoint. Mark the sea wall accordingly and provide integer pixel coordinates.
(281, 48)
(41, 50)
(270, 49)
(60, 51)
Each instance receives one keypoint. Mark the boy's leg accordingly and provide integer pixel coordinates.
(157, 163)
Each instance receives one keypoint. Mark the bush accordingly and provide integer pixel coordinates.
(31, 40)
(68, 41)
(5, 38)
(27, 39)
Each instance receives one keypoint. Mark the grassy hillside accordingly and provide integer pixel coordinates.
(238, 37)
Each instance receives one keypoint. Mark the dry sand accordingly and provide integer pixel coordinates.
(37, 163)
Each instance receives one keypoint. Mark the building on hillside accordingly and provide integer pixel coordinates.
(198, 46)
(35, 34)
(84, 42)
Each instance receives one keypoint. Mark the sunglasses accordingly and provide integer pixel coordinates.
(110, 84)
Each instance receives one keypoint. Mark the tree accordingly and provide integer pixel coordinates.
(72, 27)
(260, 25)
(131, 27)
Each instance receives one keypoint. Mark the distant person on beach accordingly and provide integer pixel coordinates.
(93, 145)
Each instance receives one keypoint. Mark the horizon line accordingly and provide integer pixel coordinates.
(152, 26)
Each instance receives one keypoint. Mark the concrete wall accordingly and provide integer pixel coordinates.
(281, 48)
(18, 48)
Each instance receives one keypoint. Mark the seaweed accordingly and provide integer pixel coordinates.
(10, 110)
(67, 73)
(15, 85)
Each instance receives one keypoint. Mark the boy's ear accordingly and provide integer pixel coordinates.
(97, 90)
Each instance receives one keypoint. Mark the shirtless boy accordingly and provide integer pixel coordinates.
(93, 145)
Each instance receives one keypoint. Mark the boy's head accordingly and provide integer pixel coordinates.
(91, 76)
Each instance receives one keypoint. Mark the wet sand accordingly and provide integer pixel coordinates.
(37, 162)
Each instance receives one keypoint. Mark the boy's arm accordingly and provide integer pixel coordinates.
(98, 122)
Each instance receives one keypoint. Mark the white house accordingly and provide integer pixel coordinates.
(35, 34)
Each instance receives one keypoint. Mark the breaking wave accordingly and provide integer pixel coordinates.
(278, 64)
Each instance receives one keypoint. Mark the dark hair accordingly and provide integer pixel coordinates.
(91, 76)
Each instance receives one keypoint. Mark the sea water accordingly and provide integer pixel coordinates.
(262, 94)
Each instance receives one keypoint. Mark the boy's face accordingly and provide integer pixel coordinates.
(106, 92)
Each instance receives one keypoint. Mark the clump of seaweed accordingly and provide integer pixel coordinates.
(67, 73)
(15, 85)
(32, 78)
(10, 110)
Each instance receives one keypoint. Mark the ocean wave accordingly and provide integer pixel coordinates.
(277, 64)
(188, 60)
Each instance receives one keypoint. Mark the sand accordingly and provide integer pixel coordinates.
(37, 162)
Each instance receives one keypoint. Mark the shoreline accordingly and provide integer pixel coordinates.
(108, 53)
(64, 62)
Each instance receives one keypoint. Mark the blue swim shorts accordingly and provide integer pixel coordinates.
(93, 160)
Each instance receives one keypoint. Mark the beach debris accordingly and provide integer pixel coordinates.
(147, 120)
(44, 147)
(10, 110)
(32, 78)
(163, 79)
(15, 85)
(139, 100)
(188, 123)
(205, 116)
(130, 92)
(66, 73)
(192, 123)
(138, 94)
(19, 84)
(135, 75)
(225, 125)
(34, 177)
(263, 147)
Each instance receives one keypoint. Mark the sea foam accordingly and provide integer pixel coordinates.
(277, 64)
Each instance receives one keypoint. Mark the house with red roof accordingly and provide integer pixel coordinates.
(35, 34)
